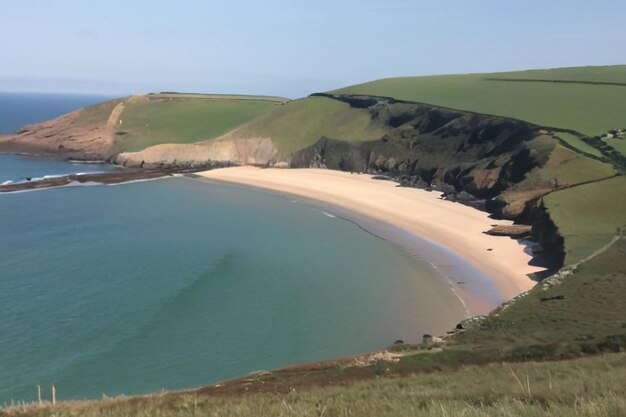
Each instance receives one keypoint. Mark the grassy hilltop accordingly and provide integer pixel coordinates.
(577, 102)
(177, 118)
(129, 124)
(300, 123)
(589, 100)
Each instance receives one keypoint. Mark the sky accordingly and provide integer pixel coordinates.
(291, 48)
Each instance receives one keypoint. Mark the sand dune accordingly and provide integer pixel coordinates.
(454, 226)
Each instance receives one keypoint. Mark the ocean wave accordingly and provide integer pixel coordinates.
(140, 180)
(70, 184)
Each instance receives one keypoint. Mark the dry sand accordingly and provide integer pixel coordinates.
(454, 226)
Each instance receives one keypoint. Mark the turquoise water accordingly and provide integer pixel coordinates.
(19, 109)
(177, 283)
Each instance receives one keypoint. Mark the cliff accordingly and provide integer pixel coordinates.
(237, 151)
(66, 137)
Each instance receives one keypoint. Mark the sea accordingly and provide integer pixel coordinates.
(19, 109)
(178, 282)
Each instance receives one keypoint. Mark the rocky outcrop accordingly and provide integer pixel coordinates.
(516, 231)
(546, 233)
(470, 158)
(228, 149)
(64, 136)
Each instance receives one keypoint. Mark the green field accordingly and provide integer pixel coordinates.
(601, 74)
(185, 120)
(565, 167)
(177, 118)
(590, 109)
(578, 144)
(618, 144)
(588, 215)
(300, 123)
(586, 108)
(202, 96)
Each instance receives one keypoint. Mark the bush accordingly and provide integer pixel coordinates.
(532, 353)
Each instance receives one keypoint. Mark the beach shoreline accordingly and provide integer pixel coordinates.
(482, 270)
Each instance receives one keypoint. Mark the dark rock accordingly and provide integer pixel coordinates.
(516, 231)
(556, 297)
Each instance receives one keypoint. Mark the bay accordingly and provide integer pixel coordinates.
(176, 283)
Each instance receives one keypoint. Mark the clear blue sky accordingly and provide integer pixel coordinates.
(291, 48)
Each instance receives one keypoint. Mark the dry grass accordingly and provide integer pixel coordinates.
(585, 387)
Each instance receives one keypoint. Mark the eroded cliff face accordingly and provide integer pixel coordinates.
(227, 150)
(472, 158)
(65, 137)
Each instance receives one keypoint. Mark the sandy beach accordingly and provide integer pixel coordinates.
(454, 226)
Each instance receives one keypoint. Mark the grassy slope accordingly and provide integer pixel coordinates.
(586, 387)
(588, 215)
(567, 167)
(177, 118)
(589, 109)
(185, 120)
(301, 123)
(618, 144)
(579, 144)
(98, 113)
(610, 73)
(592, 308)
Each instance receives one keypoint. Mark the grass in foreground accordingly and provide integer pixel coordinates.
(587, 108)
(585, 387)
